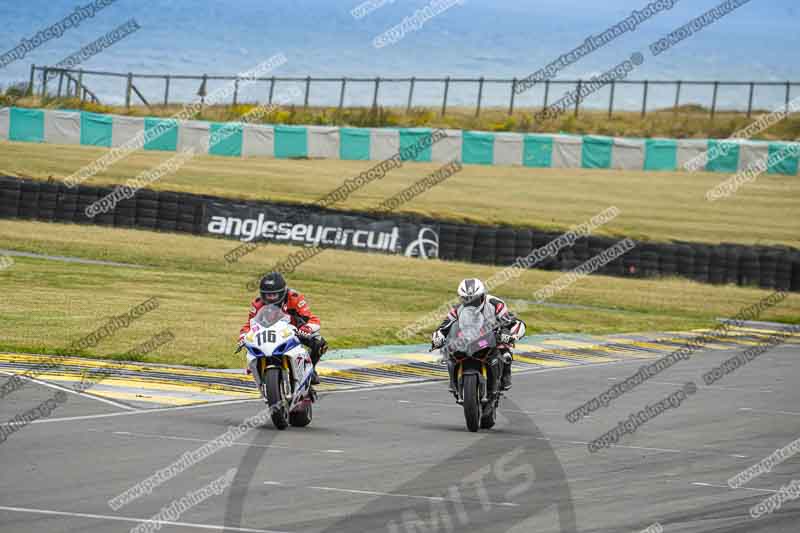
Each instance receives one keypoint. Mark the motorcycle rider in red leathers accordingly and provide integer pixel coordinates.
(472, 293)
(274, 291)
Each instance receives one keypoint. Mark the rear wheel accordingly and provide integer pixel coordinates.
(275, 398)
(472, 406)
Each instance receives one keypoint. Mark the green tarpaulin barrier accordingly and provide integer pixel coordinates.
(26, 125)
(596, 152)
(661, 154)
(537, 151)
(160, 134)
(724, 162)
(789, 163)
(410, 142)
(96, 129)
(225, 139)
(477, 148)
(354, 144)
(291, 141)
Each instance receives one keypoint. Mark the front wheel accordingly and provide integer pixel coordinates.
(472, 405)
(275, 398)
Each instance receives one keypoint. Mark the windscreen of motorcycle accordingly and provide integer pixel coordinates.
(469, 334)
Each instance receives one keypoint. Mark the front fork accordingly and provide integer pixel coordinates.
(258, 368)
(456, 372)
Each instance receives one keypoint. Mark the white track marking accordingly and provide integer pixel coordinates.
(582, 443)
(73, 391)
(749, 409)
(378, 388)
(142, 411)
(409, 496)
(727, 487)
(194, 439)
(134, 520)
(670, 383)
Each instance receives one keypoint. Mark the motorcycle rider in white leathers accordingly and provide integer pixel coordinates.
(472, 293)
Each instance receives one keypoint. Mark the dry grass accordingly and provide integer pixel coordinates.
(658, 206)
(363, 299)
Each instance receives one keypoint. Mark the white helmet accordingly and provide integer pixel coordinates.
(471, 292)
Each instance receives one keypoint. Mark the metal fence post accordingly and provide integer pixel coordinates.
(578, 98)
(60, 82)
(644, 98)
(45, 72)
(480, 96)
(341, 94)
(128, 91)
(375, 93)
(788, 91)
(446, 90)
(79, 85)
(308, 91)
(677, 96)
(29, 92)
(166, 90)
(714, 100)
(513, 94)
(410, 93)
(235, 92)
(611, 98)
(546, 93)
(271, 89)
(750, 100)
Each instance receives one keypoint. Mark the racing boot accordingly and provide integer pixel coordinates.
(505, 379)
(451, 369)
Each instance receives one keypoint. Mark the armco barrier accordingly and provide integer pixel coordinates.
(763, 266)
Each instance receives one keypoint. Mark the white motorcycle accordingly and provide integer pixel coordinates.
(282, 367)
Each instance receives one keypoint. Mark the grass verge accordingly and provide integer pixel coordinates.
(659, 206)
(363, 299)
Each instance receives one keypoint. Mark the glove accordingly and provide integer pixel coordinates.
(506, 338)
(437, 341)
(305, 331)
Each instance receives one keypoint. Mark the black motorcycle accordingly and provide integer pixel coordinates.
(473, 358)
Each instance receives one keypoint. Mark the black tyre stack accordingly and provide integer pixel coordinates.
(466, 243)
(523, 242)
(702, 263)
(146, 209)
(10, 192)
(717, 265)
(506, 246)
(649, 261)
(631, 261)
(783, 271)
(769, 267)
(795, 285)
(685, 257)
(67, 204)
(749, 267)
(540, 240)
(668, 260)
(732, 263)
(189, 213)
(29, 200)
(448, 241)
(86, 197)
(485, 250)
(167, 219)
(48, 201)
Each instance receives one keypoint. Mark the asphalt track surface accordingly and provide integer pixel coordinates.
(378, 459)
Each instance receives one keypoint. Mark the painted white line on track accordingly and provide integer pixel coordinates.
(158, 523)
(195, 439)
(409, 496)
(582, 443)
(727, 487)
(73, 391)
(768, 411)
(377, 388)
